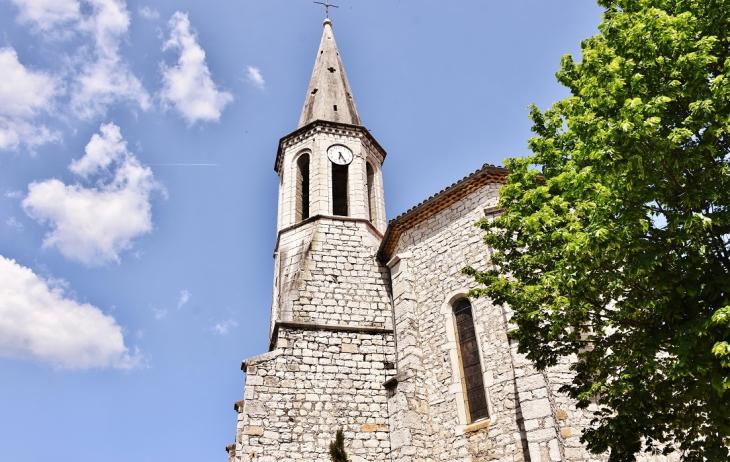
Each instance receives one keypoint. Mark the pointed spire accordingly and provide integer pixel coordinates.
(329, 96)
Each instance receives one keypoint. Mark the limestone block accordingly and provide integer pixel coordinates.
(554, 450)
(530, 383)
(253, 407)
(254, 431)
(541, 435)
(400, 438)
(254, 380)
(535, 409)
(534, 449)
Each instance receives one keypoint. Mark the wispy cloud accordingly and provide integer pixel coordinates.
(100, 76)
(13, 223)
(105, 77)
(159, 313)
(39, 321)
(188, 86)
(93, 225)
(47, 14)
(253, 75)
(148, 13)
(24, 95)
(223, 327)
(183, 299)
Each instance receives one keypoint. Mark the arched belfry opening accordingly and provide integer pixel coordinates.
(370, 173)
(302, 183)
(471, 366)
(339, 190)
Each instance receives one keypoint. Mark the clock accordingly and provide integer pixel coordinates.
(339, 154)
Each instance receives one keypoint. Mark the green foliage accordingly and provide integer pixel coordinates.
(337, 448)
(618, 250)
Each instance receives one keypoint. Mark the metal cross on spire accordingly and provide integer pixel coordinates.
(327, 6)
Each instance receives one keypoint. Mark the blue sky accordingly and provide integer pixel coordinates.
(138, 197)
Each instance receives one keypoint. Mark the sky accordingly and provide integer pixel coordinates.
(138, 196)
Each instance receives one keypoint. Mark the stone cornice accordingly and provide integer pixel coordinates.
(324, 126)
(330, 327)
(328, 217)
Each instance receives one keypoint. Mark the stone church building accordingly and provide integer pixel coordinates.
(371, 330)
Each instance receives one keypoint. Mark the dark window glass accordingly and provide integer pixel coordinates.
(339, 190)
(371, 192)
(303, 187)
(470, 364)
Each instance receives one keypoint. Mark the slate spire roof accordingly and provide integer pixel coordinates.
(329, 96)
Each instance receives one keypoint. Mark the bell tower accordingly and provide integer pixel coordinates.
(331, 347)
(340, 156)
(331, 206)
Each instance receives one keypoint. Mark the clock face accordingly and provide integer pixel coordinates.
(339, 154)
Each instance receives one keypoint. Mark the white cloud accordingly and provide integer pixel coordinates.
(148, 13)
(46, 14)
(14, 224)
(188, 86)
(24, 94)
(102, 77)
(223, 327)
(253, 75)
(105, 78)
(184, 298)
(94, 225)
(101, 151)
(37, 320)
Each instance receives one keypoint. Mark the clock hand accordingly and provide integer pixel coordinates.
(342, 158)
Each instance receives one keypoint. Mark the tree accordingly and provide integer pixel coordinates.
(614, 241)
(337, 448)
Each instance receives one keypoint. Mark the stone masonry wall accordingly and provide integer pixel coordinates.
(316, 382)
(530, 420)
(327, 273)
(428, 416)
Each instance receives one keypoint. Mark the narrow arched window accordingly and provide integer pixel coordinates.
(339, 190)
(471, 367)
(371, 191)
(303, 187)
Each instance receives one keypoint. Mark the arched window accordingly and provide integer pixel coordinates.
(371, 191)
(339, 190)
(471, 367)
(303, 187)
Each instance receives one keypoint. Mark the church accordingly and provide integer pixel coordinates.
(371, 329)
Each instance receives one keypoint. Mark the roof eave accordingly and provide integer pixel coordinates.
(436, 203)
